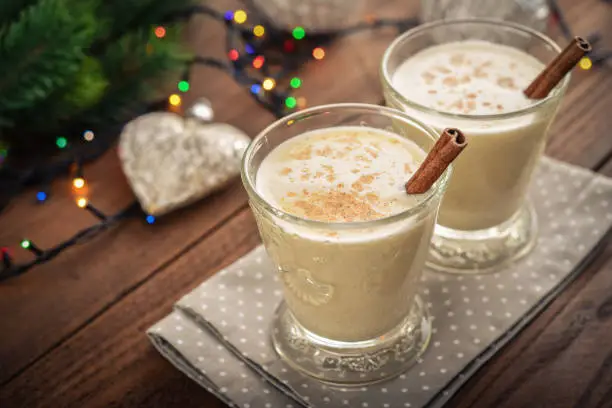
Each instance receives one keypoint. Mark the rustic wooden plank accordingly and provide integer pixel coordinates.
(567, 345)
(113, 349)
(583, 117)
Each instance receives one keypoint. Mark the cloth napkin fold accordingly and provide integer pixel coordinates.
(218, 333)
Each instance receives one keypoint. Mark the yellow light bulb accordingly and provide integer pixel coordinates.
(78, 182)
(81, 202)
(240, 16)
(174, 100)
(268, 84)
(585, 63)
(259, 30)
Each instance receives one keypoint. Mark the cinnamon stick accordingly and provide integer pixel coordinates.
(448, 146)
(554, 72)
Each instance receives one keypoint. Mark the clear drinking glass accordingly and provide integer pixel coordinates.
(350, 314)
(485, 219)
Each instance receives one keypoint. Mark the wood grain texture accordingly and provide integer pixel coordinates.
(73, 330)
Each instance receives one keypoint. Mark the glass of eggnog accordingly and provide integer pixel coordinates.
(471, 74)
(326, 186)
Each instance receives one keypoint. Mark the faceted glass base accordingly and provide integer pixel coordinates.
(483, 251)
(351, 363)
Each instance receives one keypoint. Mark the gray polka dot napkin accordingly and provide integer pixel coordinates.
(218, 336)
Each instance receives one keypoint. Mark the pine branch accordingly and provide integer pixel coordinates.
(133, 15)
(10, 9)
(41, 52)
(136, 66)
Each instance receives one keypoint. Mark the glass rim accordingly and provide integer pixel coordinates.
(384, 67)
(249, 182)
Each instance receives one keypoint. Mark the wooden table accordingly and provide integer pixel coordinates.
(72, 330)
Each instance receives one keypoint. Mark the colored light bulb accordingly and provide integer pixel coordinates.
(41, 196)
(295, 83)
(183, 86)
(255, 88)
(268, 84)
(81, 202)
(240, 16)
(160, 32)
(585, 63)
(259, 30)
(25, 244)
(298, 33)
(61, 142)
(233, 55)
(258, 61)
(88, 135)
(318, 53)
(150, 219)
(174, 100)
(290, 102)
(78, 182)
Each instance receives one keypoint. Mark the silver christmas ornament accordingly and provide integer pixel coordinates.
(171, 161)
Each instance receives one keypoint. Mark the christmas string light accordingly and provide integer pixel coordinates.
(174, 100)
(84, 203)
(160, 32)
(30, 246)
(88, 136)
(61, 142)
(11, 270)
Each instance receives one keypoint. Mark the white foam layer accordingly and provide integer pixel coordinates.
(468, 77)
(341, 174)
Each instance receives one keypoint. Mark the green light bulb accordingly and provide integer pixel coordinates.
(295, 83)
(290, 102)
(25, 244)
(183, 86)
(299, 33)
(61, 142)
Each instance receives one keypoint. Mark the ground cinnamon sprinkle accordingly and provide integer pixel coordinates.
(325, 152)
(371, 152)
(336, 206)
(506, 82)
(367, 179)
(301, 153)
(450, 81)
(457, 59)
(285, 171)
(357, 186)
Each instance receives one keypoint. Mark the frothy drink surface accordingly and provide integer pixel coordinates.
(477, 78)
(346, 284)
(468, 77)
(344, 174)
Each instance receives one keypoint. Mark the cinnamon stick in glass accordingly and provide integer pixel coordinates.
(554, 72)
(448, 146)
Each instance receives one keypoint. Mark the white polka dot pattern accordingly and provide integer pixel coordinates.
(218, 336)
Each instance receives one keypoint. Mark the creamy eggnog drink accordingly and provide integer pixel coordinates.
(348, 241)
(471, 74)
(477, 78)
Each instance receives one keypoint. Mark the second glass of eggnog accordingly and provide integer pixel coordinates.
(470, 74)
(326, 186)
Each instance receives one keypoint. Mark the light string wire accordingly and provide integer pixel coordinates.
(273, 100)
